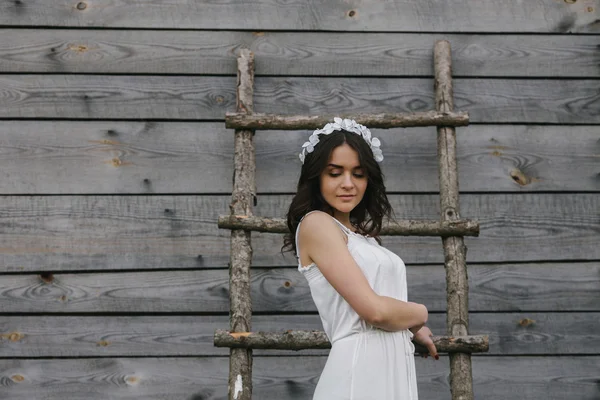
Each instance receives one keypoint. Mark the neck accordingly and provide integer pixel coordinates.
(344, 218)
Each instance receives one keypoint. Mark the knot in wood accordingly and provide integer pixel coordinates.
(451, 214)
(80, 48)
(81, 6)
(13, 336)
(526, 322)
(519, 177)
(47, 277)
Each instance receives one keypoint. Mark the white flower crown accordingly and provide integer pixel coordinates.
(349, 125)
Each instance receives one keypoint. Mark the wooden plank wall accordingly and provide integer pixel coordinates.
(115, 163)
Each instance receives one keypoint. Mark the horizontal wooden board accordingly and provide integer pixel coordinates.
(492, 288)
(101, 336)
(61, 233)
(83, 157)
(294, 53)
(495, 378)
(333, 15)
(77, 157)
(210, 97)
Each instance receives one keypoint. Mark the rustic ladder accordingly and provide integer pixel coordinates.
(239, 338)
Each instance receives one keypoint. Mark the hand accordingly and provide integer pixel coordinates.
(423, 337)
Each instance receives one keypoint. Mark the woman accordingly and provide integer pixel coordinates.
(358, 286)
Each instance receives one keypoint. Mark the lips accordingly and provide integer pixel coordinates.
(346, 196)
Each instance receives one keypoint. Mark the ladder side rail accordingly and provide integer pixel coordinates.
(242, 200)
(457, 320)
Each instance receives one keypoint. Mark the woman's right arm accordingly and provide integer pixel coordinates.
(323, 240)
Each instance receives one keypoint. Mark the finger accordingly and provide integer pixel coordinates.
(433, 351)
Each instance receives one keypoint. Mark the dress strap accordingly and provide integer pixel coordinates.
(344, 228)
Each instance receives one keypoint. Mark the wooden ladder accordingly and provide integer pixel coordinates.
(451, 228)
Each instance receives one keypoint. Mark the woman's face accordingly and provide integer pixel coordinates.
(343, 181)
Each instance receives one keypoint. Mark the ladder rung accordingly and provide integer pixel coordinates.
(301, 340)
(460, 227)
(384, 120)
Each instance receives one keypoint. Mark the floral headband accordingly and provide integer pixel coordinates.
(348, 125)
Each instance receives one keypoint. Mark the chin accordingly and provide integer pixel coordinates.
(345, 207)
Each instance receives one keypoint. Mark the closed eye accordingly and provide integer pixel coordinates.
(356, 175)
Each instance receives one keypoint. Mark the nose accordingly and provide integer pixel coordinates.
(347, 183)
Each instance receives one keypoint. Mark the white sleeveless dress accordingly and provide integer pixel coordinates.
(365, 362)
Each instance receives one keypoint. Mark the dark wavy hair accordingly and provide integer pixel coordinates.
(367, 216)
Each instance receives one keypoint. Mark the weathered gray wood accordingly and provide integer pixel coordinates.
(495, 287)
(547, 333)
(338, 15)
(293, 53)
(77, 157)
(457, 285)
(275, 378)
(382, 120)
(397, 228)
(314, 339)
(210, 97)
(50, 233)
(242, 199)
(114, 157)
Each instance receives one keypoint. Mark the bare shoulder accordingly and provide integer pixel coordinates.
(315, 221)
(317, 218)
(320, 226)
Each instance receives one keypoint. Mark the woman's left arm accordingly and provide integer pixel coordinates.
(416, 328)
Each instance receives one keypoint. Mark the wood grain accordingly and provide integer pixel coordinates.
(493, 288)
(62, 233)
(332, 15)
(243, 198)
(82, 157)
(457, 283)
(552, 378)
(522, 333)
(294, 53)
(62, 255)
(96, 97)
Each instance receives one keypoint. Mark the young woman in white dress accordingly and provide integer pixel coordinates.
(358, 286)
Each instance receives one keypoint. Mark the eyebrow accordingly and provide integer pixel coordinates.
(339, 166)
